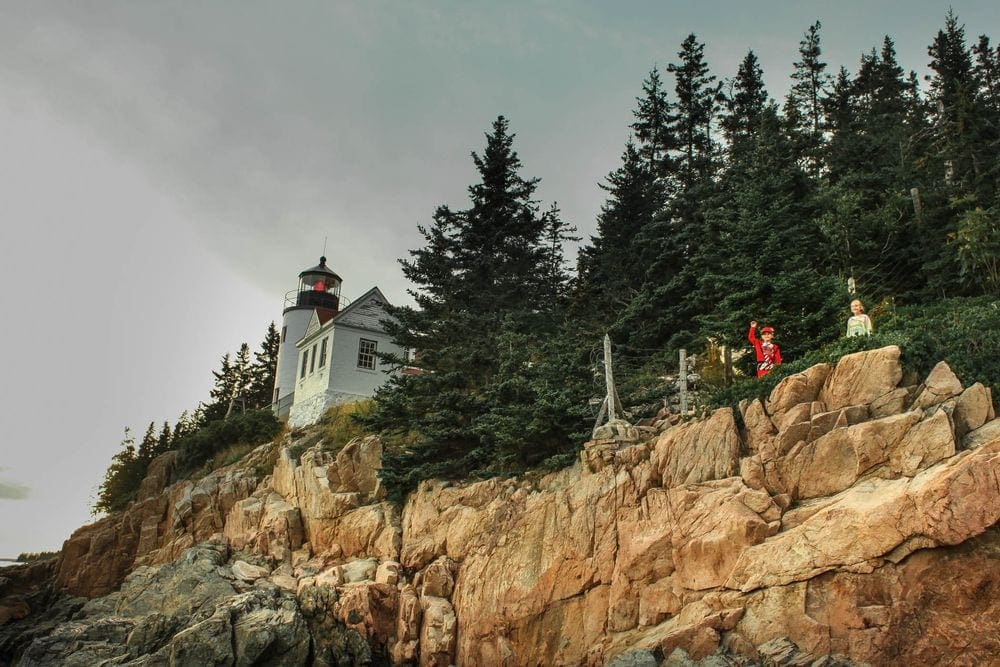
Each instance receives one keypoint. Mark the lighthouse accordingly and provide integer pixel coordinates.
(318, 292)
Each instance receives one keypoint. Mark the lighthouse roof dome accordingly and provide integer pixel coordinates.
(321, 269)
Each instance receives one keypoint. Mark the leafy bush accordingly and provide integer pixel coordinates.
(248, 428)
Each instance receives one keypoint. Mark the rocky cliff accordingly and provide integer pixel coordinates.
(846, 518)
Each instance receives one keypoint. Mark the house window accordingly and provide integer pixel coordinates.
(284, 333)
(366, 353)
(322, 353)
(312, 362)
(305, 363)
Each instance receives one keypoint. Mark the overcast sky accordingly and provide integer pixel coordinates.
(167, 169)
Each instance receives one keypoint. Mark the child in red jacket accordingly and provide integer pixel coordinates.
(768, 354)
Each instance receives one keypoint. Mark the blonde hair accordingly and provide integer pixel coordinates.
(858, 301)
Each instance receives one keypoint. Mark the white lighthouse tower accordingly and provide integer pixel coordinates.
(319, 292)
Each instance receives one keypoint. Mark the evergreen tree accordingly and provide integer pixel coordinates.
(652, 125)
(744, 104)
(697, 95)
(840, 111)
(872, 162)
(978, 241)
(183, 426)
(238, 399)
(221, 393)
(660, 317)
(121, 480)
(556, 234)
(163, 442)
(262, 371)
(485, 273)
(958, 163)
(987, 73)
(953, 90)
(612, 268)
(804, 104)
(147, 448)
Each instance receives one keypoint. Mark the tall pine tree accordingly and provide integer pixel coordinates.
(485, 278)
(263, 369)
(804, 104)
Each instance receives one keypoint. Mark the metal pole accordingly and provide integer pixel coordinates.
(684, 381)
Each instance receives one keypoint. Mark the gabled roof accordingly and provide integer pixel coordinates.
(315, 324)
(365, 312)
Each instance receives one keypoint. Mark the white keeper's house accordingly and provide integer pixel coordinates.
(329, 350)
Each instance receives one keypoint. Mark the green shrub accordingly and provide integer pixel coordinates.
(248, 428)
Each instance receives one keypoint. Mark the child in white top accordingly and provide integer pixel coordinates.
(858, 324)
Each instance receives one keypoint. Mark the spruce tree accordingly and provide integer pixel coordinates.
(611, 269)
(147, 447)
(163, 442)
(804, 104)
(238, 398)
(121, 480)
(958, 161)
(183, 426)
(262, 371)
(652, 125)
(953, 90)
(661, 316)
(744, 103)
(697, 97)
(485, 274)
(868, 214)
(222, 392)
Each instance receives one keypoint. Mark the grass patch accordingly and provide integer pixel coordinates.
(341, 424)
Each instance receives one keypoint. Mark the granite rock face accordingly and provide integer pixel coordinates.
(844, 520)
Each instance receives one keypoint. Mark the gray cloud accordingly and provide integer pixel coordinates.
(10, 491)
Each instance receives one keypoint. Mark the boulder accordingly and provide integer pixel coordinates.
(247, 572)
(861, 378)
(939, 386)
(387, 573)
(973, 408)
(838, 459)
(355, 469)
(362, 569)
(437, 632)
(698, 451)
(795, 389)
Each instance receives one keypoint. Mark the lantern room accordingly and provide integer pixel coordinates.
(319, 287)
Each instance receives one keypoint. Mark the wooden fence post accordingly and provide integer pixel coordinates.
(684, 381)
